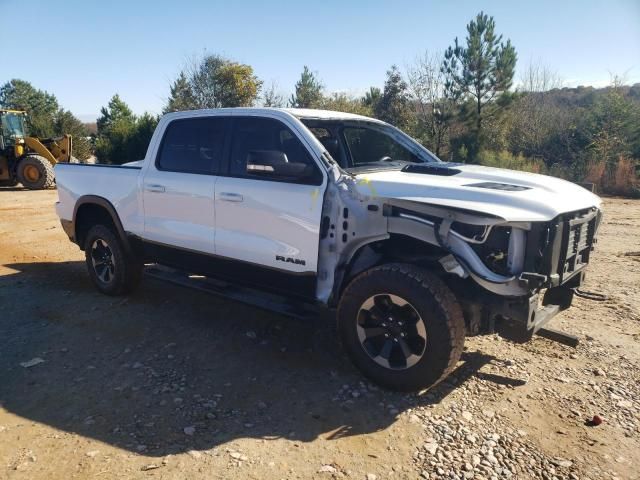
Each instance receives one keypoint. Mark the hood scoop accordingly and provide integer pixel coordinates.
(444, 169)
(506, 187)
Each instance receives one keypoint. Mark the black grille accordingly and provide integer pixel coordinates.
(560, 249)
(578, 233)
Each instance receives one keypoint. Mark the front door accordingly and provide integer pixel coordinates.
(268, 222)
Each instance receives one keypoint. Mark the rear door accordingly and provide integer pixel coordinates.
(269, 226)
(178, 187)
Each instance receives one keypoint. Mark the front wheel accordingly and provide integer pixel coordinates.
(401, 326)
(112, 270)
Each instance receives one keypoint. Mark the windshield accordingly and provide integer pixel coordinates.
(12, 127)
(362, 145)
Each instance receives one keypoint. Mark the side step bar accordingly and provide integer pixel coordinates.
(257, 298)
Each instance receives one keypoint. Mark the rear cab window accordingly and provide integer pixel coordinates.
(193, 145)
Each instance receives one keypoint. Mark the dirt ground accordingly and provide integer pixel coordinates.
(171, 383)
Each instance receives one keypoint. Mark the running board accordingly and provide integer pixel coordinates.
(249, 296)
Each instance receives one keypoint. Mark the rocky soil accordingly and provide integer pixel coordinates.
(171, 383)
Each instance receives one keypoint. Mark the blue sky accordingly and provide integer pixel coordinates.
(85, 51)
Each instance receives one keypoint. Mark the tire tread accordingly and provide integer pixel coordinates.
(130, 267)
(443, 296)
(49, 175)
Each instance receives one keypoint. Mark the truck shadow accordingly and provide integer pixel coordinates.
(169, 369)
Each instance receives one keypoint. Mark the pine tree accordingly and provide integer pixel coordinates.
(371, 98)
(308, 90)
(181, 97)
(115, 112)
(480, 71)
(116, 127)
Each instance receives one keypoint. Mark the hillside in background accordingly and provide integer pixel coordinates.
(585, 96)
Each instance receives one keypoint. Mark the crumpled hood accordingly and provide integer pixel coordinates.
(509, 194)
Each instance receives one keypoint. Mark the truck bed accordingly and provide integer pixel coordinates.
(116, 183)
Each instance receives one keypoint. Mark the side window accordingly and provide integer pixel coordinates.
(268, 137)
(193, 145)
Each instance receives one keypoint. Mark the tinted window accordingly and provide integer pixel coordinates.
(193, 145)
(368, 145)
(266, 134)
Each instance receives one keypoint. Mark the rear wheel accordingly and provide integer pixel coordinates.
(35, 172)
(401, 326)
(112, 270)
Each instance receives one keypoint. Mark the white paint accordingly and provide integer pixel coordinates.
(545, 198)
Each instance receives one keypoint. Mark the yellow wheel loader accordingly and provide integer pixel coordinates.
(28, 160)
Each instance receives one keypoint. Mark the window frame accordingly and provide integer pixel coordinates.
(226, 144)
(316, 180)
(346, 159)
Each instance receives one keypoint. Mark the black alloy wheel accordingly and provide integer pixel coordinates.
(102, 260)
(391, 331)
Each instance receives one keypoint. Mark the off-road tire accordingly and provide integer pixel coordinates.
(437, 307)
(45, 179)
(127, 271)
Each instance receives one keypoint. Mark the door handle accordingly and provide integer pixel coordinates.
(155, 188)
(231, 197)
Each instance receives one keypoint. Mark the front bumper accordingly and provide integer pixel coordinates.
(520, 319)
(568, 242)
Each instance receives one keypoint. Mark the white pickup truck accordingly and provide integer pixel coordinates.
(346, 212)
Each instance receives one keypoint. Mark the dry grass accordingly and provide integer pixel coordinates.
(595, 173)
(625, 179)
(619, 178)
(616, 178)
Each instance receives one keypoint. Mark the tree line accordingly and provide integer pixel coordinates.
(46, 117)
(460, 103)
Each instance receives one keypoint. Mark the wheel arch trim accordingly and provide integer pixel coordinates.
(362, 257)
(111, 211)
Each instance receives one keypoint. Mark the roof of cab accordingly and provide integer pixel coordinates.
(324, 114)
(300, 113)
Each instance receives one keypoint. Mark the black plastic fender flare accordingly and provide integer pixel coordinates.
(108, 206)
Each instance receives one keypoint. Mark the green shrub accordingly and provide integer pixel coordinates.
(506, 159)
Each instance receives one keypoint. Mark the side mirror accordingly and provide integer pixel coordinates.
(275, 164)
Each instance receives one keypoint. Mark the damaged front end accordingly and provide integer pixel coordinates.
(510, 277)
(526, 271)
